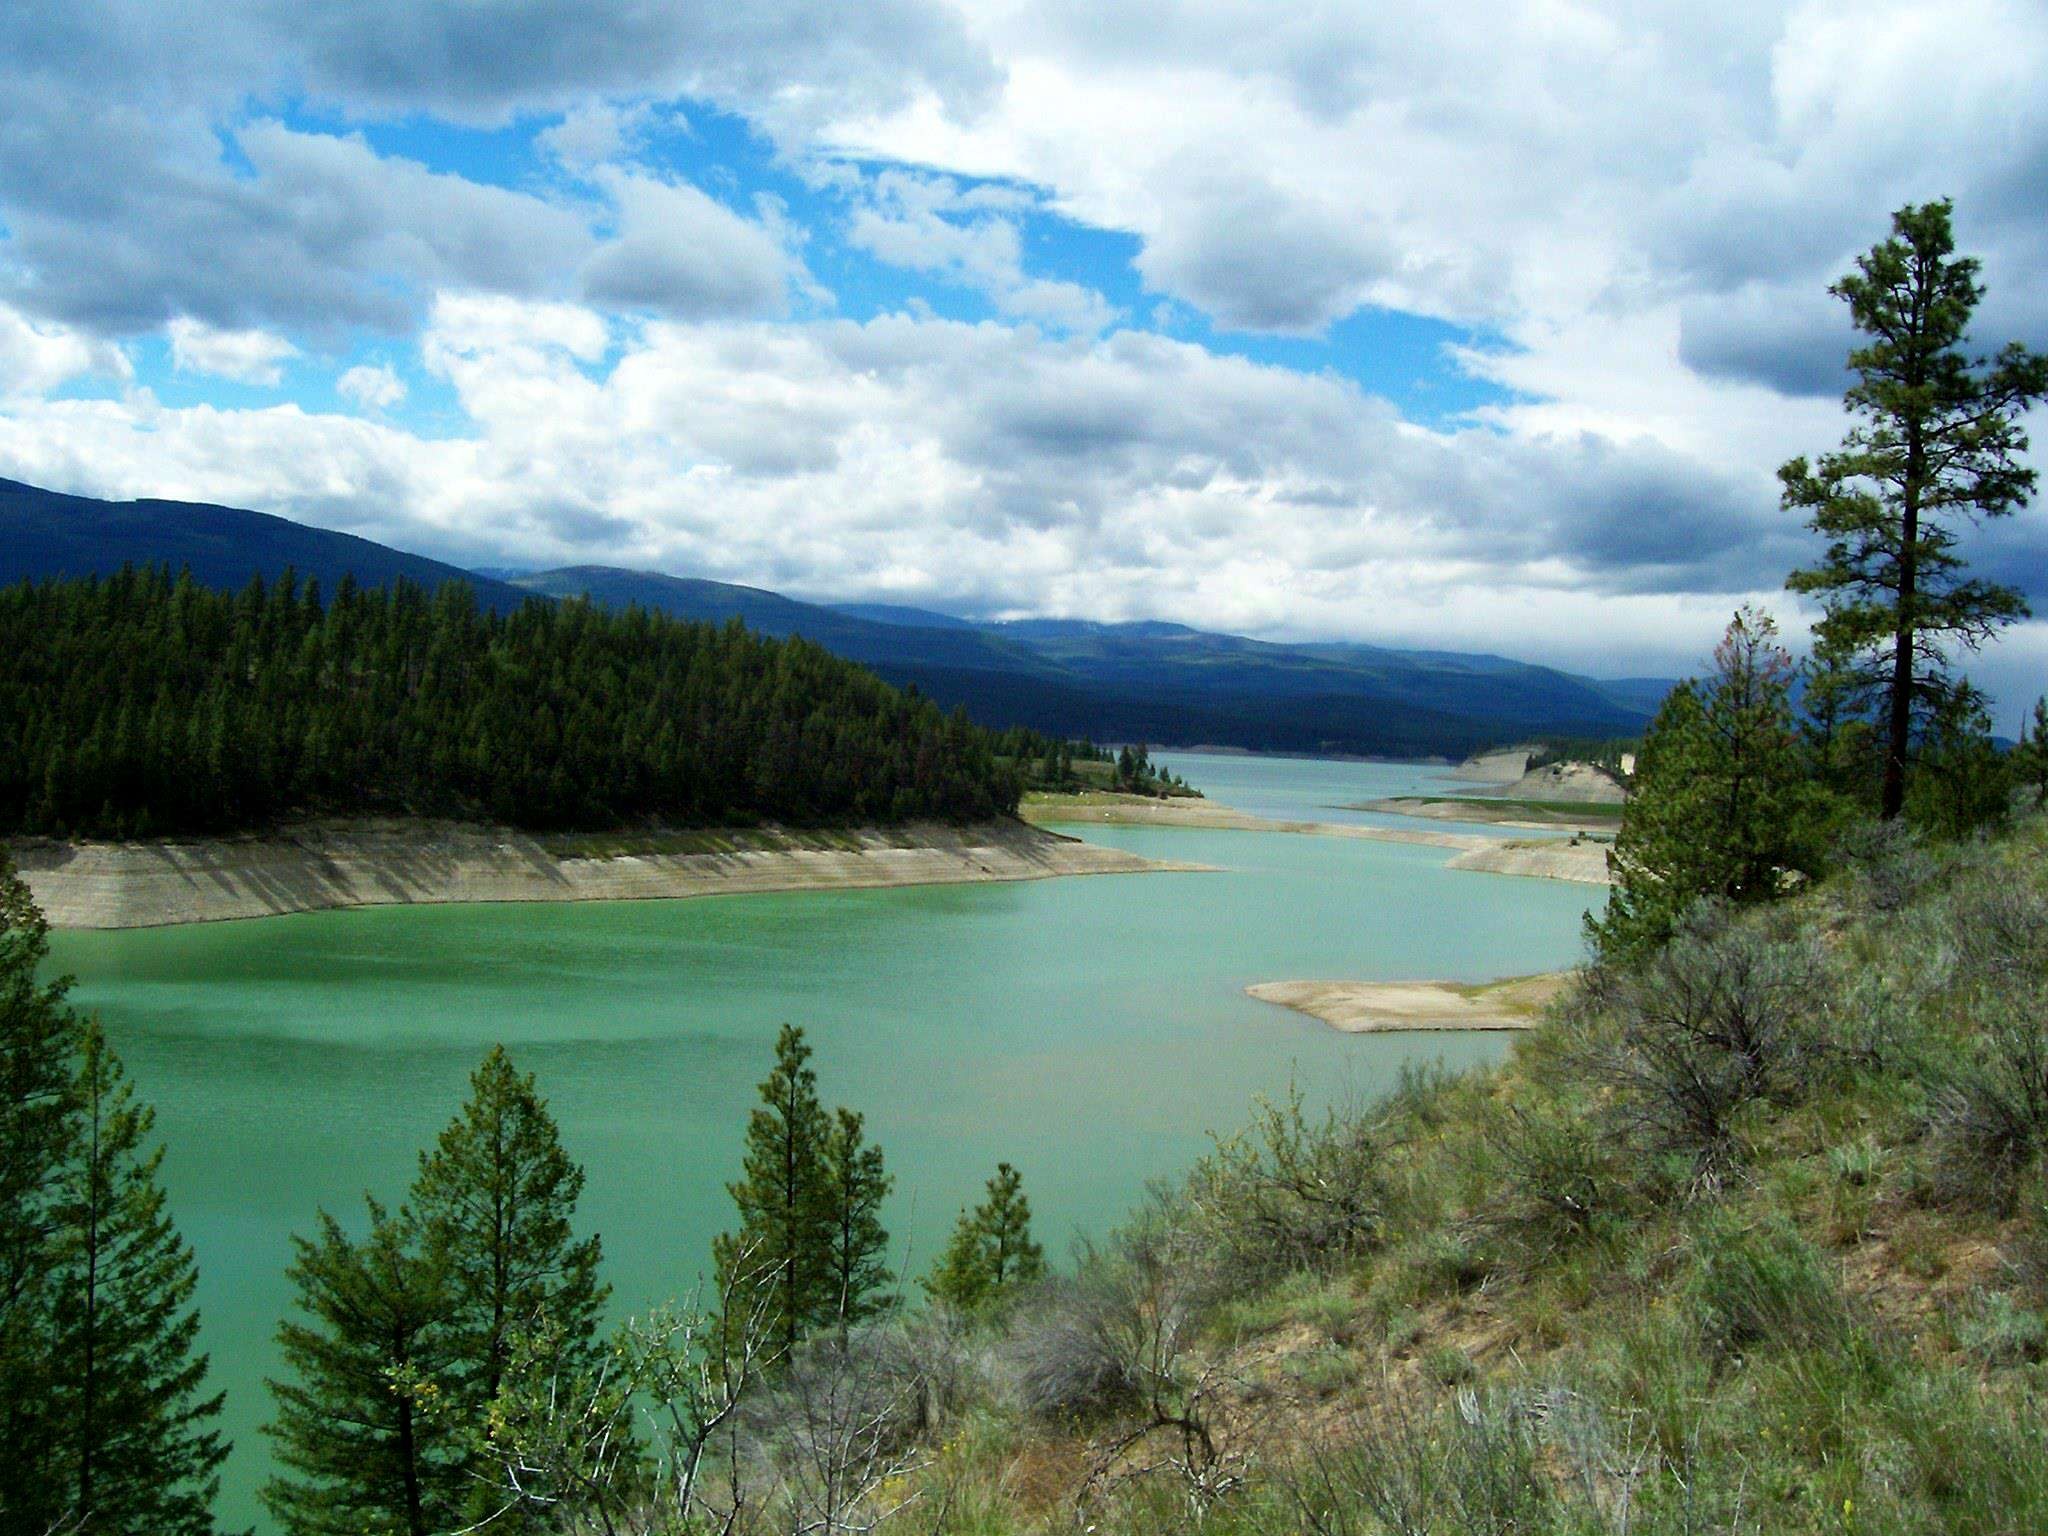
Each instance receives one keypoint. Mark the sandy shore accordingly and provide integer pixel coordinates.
(1499, 813)
(362, 864)
(1373, 1007)
(1547, 859)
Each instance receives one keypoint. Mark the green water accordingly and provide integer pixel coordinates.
(1089, 1030)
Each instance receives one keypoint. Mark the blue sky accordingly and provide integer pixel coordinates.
(1482, 329)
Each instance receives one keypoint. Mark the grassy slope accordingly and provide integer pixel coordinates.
(1566, 1316)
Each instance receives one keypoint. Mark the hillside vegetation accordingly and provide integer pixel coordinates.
(1750, 1237)
(143, 704)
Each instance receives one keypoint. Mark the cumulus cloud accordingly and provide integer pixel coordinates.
(373, 386)
(248, 357)
(971, 237)
(318, 232)
(686, 255)
(37, 357)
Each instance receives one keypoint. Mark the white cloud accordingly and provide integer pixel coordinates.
(248, 357)
(972, 237)
(374, 387)
(37, 357)
(684, 254)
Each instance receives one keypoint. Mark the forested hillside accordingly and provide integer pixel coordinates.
(145, 704)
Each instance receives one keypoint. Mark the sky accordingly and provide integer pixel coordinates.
(1481, 326)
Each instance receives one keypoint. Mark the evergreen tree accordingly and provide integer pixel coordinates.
(131, 1426)
(781, 1253)
(856, 1188)
(1723, 805)
(360, 1433)
(38, 1040)
(2030, 765)
(1962, 783)
(991, 1252)
(38, 1126)
(1939, 443)
(493, 1204)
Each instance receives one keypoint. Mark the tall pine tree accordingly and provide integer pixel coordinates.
(493, 1203)
(1938, 444)
(101, 1413)
(780, 1258)
(38, 1039)
(362, 1434)
(131, 1424)
(857, 1185)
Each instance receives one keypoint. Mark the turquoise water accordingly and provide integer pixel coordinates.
(1323, 790)
(1092, 1031)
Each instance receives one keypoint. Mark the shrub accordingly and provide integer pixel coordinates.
(1473, 1467)
(1556, 1177)
(1713, 1022)
(1290, 1193)
(1764, 1286)
(1988, 1118)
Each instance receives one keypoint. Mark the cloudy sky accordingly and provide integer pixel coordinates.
(1479, 326)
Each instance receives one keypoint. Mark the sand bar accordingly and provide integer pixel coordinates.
(379, 863)
(1377, 1007)
(1497, 812)
(1559, 858)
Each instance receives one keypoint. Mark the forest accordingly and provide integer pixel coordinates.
(144, 704)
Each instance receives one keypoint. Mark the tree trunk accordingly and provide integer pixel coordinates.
(1892, 798)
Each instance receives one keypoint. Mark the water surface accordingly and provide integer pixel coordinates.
(1093, 1031)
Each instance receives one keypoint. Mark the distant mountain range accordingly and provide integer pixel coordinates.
(1163, 683)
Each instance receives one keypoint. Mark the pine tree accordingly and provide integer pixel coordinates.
(38, 1125)
(856, 1187)
(991, 1252)
(493, 1202)
(2030, 757)
(361, 1433)
(1723, 804)
(781, 1253)
(1940, 443)
(38, 1038)
(131, 1425)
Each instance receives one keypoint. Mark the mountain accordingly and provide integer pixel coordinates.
(1169, 684)
(769, 613)
(46, 533)
(1161, 682)
(897, 613)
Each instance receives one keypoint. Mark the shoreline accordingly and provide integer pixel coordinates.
(1496, 811)
(1557, 858)
(325, 865)
(1390, 1007)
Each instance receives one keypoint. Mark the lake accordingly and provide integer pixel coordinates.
(1092, 1031)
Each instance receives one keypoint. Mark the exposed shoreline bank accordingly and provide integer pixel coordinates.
(1545, 859)
(1382, 1007)
(1498, 812)
(325, 865)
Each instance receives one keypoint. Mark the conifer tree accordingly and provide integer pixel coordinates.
(782, 1250)
(136, 1453)
(857, 1185)
(38, 1039)
(1723, 805)
(493, 1203)
(360, 1432)
(2030, 757)
(1939, 443)
(991, 1252)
